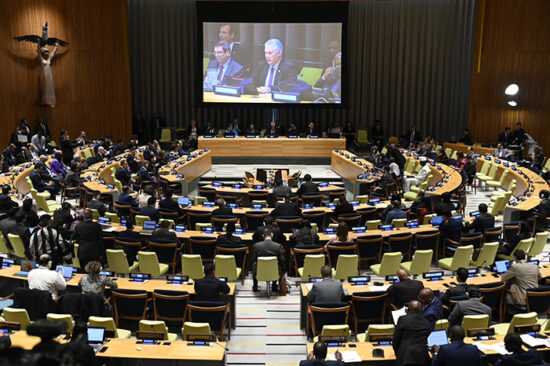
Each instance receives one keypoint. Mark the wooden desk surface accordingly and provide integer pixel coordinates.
(245, 98)
(346, 167)
(273, 147)
(177, 350)
(363, 349)
(245, 190)
(478, 149)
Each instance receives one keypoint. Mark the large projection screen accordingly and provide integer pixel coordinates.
(272, 62)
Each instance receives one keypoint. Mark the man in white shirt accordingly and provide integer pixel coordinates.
(43, 278)
(420, 178)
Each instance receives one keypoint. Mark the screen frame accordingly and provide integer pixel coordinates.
(271, 12)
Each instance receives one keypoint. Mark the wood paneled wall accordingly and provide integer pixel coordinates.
(91, 75)
(515, 48)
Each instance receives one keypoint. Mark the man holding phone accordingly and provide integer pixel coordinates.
(457, 352)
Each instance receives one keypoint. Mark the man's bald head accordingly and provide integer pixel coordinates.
(402, 275)
(425, 296)
(414, 307)
(456, 333)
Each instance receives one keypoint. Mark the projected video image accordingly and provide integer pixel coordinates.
(272, 62)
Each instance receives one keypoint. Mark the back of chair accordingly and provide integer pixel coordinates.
(254, 219)
(538, 300)
(401, 243)
(166, 252)
(335, 249)
(367, 214)
(428, 240)
(313, 198)
(129, 304)
(209, 193)
(492, 234)
(288, 223)
(240, 254)
(351, 219)
(122, 209)
(195, 217)
(204, 246)
(298, 255)
(218, 221)
(511, 230)
(370, 247)
(328, 313)
(493, 296)
(170, 305)
(474, 239)
(315, 217)
(369, 306)
(211, 312)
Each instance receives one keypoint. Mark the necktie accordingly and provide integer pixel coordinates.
(220, 74)
(271, 76)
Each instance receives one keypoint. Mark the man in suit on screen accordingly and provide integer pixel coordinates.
(224, 68)
(331, 80)
(237, 52)
(267, 75)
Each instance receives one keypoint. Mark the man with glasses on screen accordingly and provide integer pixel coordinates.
(331, 80)
(268, 74)
(221, 70)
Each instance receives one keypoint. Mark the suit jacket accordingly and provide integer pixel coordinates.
(164, 236)
(123, 176)
(234, 70)
(482, 222)
(505, 139)
(318, 362)
(281, 191)
(6, 203)
(223, 211)
(433, 312)
(152, 212)
(327, 290)
(457, 353)
(276, 234)
(287, 209)
(531, 357)
(128, 200)
(67, 147)
(89, 236)
(308, 187)
(268, 248)
(287, 71)
(229, 241)
(451, 229)
(209, 289)
(97, 205)
(458, 290)
(403, 292)
(37, 181)
(520, 277)
(170, 205)
(468, 307)
(410, 338)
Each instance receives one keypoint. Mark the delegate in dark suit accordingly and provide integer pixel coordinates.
(287, 209)
(150, 211)
(6, 202)
(531, 357)
(327, 290)
(410, 338)
(169, 204)
(268, 248)
(451, 229)
(209, 289)
(164, 236)
(482, 222)
(308, 187)
(402, 292)
(286, 71)
(123, 176)
(457, 353)
(234, 70)
(89, 236)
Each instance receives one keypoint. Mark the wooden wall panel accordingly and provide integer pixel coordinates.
(91, 75)
(515, 48)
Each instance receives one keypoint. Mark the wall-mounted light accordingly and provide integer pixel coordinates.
(512, 89)
(513, 103)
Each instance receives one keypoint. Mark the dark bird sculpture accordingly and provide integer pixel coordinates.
(42, 41)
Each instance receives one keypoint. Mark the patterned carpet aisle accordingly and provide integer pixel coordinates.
(268, 330)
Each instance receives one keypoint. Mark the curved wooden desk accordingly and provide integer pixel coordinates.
(185, 170)
(271, 147)
(478, 149)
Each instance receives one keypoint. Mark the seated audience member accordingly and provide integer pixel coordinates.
(162, 234)
(280, 190)
(342, 235)
(228, 240)
(93, 283)
(396, 212)
(541, 212)
(148, 191)
(43, 278)
(305, 234)
(404, 291)
(31, 218)
(130, 236)
(123, 173)
(96, 204)
(524, 233)
(443, 204)
(311, 130)
(411, 336)
(467, 138)
(63, 220)
(8, 222)
(46, 240)
(460, 290)
(287, 208)
(461, 161)
(150, 210)
(457, 352)
(502, 152)
(210, 287)
(387, 178)
(483, 221)
(307, 186)
(72, 180)
(19, 228)
(276, 233)
(5, 201)
(394, 168)
(343, 207)
(78, 351)
(442, 157)
(56, 165)
(292, 130)
(89, 235)
(318, 356)
(144, 173)
(326, 290)
(420, 177)
(471, 306)
(519, 357)
(39, 184)
(424, 209)
(450, 228)
(222, 209)
(125, 197)
(267, 248)
(520, 277)
(168, 203)
(432, 309)
(274, 129)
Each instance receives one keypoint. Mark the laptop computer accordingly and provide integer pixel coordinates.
(96, 337)
(438, 337)
(502, 266)
(67, 272)
(26, 266)
(183, 201)
(148, 227)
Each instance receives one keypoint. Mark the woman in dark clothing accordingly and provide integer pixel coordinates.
(31, 218)
(305, 235)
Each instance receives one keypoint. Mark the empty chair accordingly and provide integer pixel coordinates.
(3, 246)
(486, 256)
(118, 263)
(538, 299)
(368, 307)
(351, 219)
(373, 224)
(399, 222)
(475, 322)
(194, 328)
(461, 258)
(157, 326)
(288, 223)
(17, 245)
(315, 217)
(422, 261)
(375, 329)
(129, 304)
(240, 255)
(389, 266)
(538, 245)
(17, 315)
(428, 240)
(191, 266)
(321, 314)
(170, 306)
(149, 263)
(313, 198)
(194, 217)
(492, 234)
(166, 253)
(493, 296)
(65, 318)
(298, 254)
(109, 324)
(312, 266)
(518, 319)
(267, 270)
(334, 250)
(227, 267)
(140, 219)
(347, 266)
(217, 314)
(254, 219)
(370, 248)
(401, 243)
(203, 246)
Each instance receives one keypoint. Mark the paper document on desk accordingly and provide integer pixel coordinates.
(534, 342)
(497, 347)
(378, 288)
(309, 286)
(109, 229)
(396, 314)
(347, 356)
